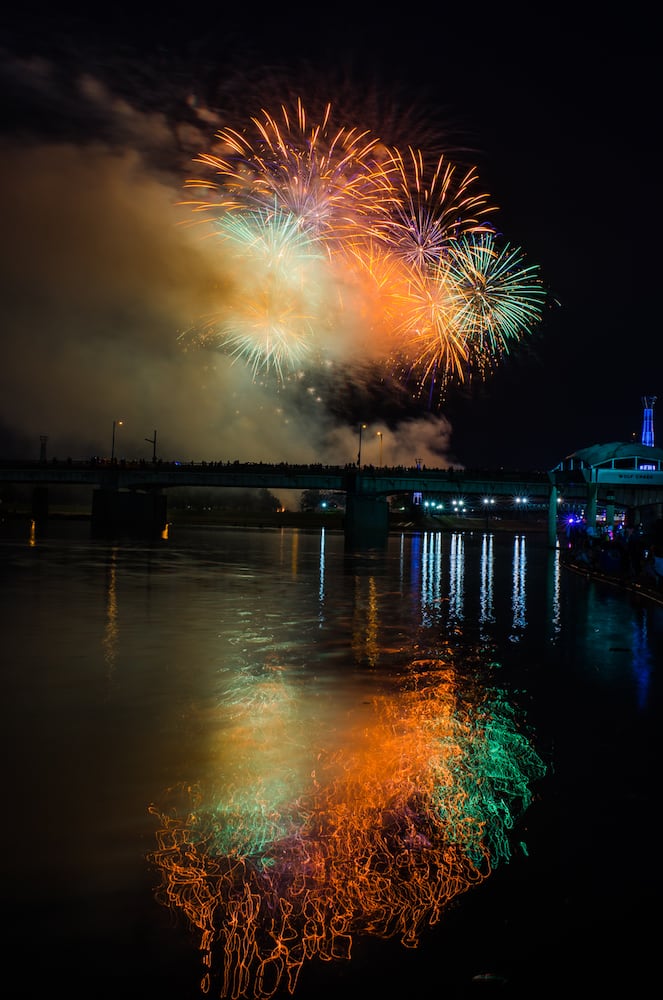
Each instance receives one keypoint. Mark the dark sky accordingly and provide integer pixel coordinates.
(102, 116)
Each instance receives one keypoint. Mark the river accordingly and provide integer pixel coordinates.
(252, 763)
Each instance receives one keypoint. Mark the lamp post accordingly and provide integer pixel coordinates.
(116, 423)
(362, 427)
(153, 442)
(380, 451)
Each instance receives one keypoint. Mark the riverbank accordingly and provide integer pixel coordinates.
(637, 586)
(334, 521)
(313, 520)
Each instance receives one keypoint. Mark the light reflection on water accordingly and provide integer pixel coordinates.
(486, 594)
(519, 581)
(316, 827)
(299, 747)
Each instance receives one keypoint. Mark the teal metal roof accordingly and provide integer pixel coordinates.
(602, 454)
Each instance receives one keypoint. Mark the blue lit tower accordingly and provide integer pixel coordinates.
(648, 421)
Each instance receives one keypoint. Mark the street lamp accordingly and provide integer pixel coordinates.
(362, 427)
(153, 442)
(116, 423)
(380, 452)
(521, 504)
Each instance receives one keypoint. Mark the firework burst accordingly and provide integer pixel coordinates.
(343, 248)
(460, 317)
(431, 210)
(331, 180)
(272, 318)
(428, 347)
(497, 298)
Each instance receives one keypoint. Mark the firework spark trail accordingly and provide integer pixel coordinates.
(405, 253)
(462, 315)
(330, 181)
(496, 296)
(432, 211)
(425, 334)
(272, 318)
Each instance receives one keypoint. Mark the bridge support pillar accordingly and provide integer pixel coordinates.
(590, 513)
(552, 517)
(116, 513)
(40, 503)
(366, 522)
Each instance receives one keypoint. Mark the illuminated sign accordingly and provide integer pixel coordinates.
(630, 477)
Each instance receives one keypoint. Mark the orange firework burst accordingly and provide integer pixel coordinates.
(432, 208)
(427, 340)
(405, 254)
(330, 180)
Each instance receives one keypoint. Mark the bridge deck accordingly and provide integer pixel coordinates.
(368, 481)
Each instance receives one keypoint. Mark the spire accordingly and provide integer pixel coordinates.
(648, 421)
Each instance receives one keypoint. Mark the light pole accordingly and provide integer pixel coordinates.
(153, 442)
(362, 427)
(116, 423)
(380, 451)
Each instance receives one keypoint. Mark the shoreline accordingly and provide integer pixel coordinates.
(334, 522)
(630, 585)
(307, 519)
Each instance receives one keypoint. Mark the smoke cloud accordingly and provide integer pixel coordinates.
(100, 278)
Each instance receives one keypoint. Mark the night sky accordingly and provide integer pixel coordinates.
(103, 115)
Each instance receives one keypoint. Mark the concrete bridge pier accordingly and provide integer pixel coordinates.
(552, 517)
(118, 513)
(592, 504)
(40, 503)
(366, 521)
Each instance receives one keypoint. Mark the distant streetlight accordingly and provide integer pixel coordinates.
(380, 452)
(362, 427)
(116, 423)
(153, 442)
(521, 504)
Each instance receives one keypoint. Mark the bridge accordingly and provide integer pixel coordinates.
(133, 494)
(370, 481)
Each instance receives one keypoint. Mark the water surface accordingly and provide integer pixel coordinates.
(257, 761)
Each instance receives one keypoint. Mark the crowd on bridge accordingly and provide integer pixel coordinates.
(218, 465)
